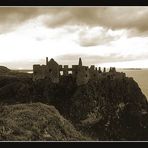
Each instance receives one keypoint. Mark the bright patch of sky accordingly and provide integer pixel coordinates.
(33, 41)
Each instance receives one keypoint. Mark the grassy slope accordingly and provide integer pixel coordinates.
(35, 121)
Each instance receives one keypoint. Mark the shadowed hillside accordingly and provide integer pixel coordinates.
(107, 109)
(4, 69)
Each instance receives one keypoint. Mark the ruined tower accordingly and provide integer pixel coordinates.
(112, 69)
(52, 71)
(82, 74)
(104, 69)
(46, 60)
(99, 70)
(80, 62)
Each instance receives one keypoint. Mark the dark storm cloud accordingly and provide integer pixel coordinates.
(12, 17)
(78, 16)
(132, 18)
(135, 18)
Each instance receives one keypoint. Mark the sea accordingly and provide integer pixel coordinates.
(140, 76)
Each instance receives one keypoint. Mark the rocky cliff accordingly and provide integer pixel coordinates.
(107, 109)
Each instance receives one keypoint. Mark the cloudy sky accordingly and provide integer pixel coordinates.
(103, 36)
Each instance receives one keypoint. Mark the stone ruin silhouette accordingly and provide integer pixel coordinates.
(52, 71)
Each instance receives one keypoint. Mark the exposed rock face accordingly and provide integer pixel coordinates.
(107, 109)
(107, 95)
(36, 121)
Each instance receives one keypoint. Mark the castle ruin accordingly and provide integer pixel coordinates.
(52, 72)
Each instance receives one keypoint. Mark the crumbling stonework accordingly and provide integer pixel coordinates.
(82, 74)
(52, 71)
(93, 72)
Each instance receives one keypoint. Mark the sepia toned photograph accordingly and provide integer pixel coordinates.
(74, 73)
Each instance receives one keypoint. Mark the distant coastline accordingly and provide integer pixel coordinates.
(132, 68)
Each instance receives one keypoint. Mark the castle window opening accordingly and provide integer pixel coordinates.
(50, 70)
(61, 73)
(70, 72)
(86, 75)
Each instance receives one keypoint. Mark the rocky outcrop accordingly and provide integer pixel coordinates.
(109, 109)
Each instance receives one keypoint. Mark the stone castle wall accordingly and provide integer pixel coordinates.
(52, 71)
(83, 75)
